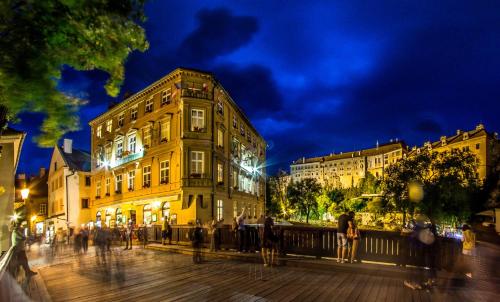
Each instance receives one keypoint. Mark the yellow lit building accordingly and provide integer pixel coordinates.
(345, 170)
(480, 142)
(179, 148)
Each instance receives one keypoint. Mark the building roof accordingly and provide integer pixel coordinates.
(480, 131)
(38, 186)
(76, 160)
(381, 149)
(11, 131)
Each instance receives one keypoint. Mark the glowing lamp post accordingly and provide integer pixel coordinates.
(25, 193)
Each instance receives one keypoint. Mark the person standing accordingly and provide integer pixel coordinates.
(166, 231)
(353, 238)
(197, 241)
(342, 226)
(128, 235)
(468, 248)
(18, 243)
(241, 231)
(214, 234)
(85, 239)
(269, 242)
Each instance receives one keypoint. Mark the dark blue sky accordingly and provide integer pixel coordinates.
(319, 77)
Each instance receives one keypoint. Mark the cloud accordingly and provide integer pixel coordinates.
(219, 32)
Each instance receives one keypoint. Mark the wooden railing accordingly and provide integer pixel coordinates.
(10, 273)
(377, 246)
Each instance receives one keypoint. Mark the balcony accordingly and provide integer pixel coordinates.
(197, 180)
(126, 159)
(194, 93)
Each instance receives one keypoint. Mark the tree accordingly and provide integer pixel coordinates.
(280, 205)
(39, 38)
(302, 195)
(447, 178)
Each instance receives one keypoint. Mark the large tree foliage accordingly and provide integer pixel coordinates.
(38, 38)
(302, 195)
(448, 180)
(277, 195)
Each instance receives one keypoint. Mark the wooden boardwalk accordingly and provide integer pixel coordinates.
(145, 275)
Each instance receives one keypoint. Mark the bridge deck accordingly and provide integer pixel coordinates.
(145, 275)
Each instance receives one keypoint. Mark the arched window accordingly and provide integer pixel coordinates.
(165, 212)
(108, 217)
(147, 214)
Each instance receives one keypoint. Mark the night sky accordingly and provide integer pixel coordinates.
(318, 78)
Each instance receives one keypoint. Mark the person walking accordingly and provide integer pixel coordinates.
(197, 241)
(85, 239)
(342, 226)
(353, 239)
(77, 244)
(128, 235)
(18, 243)
(213, 232)
(468, 249)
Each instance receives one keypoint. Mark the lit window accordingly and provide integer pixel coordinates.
(107, 150)
(109, 125)
(131, 143)
(108, 185)
(146, 176)
(165, 130)
(166, 97)
(133, 113)
(118, 184)
(149, 106)
(147, 214)
(98, 188)
(43, 209)
(164, 172)
(121, 119)
(99, 131)
(146, 137)
(220, 107)
(166, 209)
(197, 158)
(242, 130)
(131, 180)
(119, 148)
(220, 209)
(220, 173)
(220, 138)
(197, 119)
(235, 122)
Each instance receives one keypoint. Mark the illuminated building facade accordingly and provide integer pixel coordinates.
(179, 148)
(346, 169)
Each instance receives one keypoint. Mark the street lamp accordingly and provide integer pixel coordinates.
(25, 193)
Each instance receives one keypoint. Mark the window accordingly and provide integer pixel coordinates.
(43, 208)
(220, 209)
(220, 107)
(166, 96)
(55, 166)
(197, 158)
(108, 186)
(242, 130)
(133, 113)
(220, 173)
(235, 150)
(107, 150)
(85, 203)
(120, 219)
(121, 119)
(477, 146)
(197, 119)
(164, 172)
(146, 176)
(235, 122)
(220, 138)
(131, 180)
(149, 106)
(131, 143)
(118, 184)
(99, 131)
(165, 130)
(147, 214)
(109, 125)
(87, 181)
(165, 211)
(98, 189)
(235, 178)
(146, 137)
(119, 148)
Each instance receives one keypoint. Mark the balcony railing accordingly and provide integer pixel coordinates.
(194, 93)
(196, 181)
(127, 158)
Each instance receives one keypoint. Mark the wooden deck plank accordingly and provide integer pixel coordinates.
(337, 281)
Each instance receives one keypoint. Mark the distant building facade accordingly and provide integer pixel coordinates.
(480, 142)
(69, 184)
(346, 169)
(11, 142)
(34, 208)
(179, 148)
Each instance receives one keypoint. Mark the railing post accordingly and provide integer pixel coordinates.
(319, 244)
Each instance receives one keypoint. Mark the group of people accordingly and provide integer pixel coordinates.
(348, 237)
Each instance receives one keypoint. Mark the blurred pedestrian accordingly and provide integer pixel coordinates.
(468, 249)
(166, 231)
(214, 234)
(241, 231)
(85, 239)
(77, 244)
(18, 243)
(269, 242)
(129, 234)
(197, 241)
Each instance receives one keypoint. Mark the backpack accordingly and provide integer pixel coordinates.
(426, 236)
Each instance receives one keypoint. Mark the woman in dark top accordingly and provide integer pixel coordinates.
(269, 241)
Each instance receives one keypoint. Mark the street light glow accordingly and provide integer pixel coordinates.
(25, 193)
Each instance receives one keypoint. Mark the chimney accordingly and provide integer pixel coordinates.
(443, 140)
(480, 126)
(68, 146)
(42, 172)
(459, 131)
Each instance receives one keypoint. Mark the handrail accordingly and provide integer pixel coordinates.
(5, 261)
